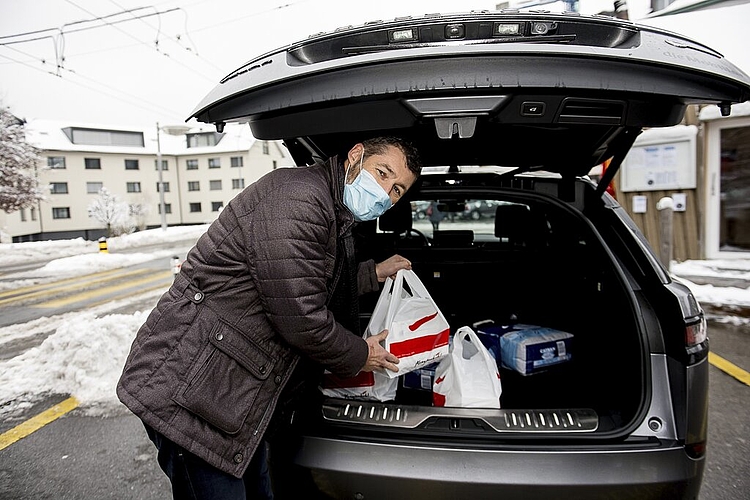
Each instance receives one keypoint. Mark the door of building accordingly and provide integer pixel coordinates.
(728, 188)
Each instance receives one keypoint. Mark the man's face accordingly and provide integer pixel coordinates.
(389, 169)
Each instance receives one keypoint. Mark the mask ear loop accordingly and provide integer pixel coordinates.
(361, 159)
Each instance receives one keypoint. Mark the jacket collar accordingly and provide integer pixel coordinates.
(336, 172)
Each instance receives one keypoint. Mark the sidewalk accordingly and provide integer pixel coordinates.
(722, 286)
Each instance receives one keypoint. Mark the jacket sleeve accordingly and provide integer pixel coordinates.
(367, 278)
(290, 232)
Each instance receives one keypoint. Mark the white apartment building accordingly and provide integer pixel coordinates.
(201, 171)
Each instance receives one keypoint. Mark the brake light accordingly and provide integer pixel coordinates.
(695, 333)
(696, 450)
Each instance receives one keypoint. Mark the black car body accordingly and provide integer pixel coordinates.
(513, 109)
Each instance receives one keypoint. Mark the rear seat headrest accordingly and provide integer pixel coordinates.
(519, 225)
(454, 238)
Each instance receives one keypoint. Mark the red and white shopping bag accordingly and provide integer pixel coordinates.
(468, 377)
(372, 386)
(418, 333)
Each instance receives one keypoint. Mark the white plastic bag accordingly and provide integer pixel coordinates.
(371, 386)
(418, 333)
(468, 377)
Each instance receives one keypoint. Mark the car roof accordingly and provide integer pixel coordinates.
(562, 92)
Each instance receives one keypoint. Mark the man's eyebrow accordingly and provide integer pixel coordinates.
(388, 167)
(391, 173)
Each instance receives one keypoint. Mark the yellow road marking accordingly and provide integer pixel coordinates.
(35, 423)
(162, 286)
(729, 368)
(72, 286)
(51, 284)
(101, 291)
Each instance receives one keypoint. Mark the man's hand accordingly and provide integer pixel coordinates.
(378, 358)
(391, 266)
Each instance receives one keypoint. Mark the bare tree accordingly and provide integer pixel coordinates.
(19, 185)
(110, 211)
(139, 213)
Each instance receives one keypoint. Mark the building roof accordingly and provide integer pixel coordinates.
(682, 6)
(50, 135)
(719, 24)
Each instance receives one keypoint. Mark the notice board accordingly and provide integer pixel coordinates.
(659, 166)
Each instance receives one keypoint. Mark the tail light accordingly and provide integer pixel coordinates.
(696, 450)
(695, 333)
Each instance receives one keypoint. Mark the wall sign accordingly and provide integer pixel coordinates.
(659, 166)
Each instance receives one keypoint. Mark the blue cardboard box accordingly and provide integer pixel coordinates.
(527, 349)
(421, 378)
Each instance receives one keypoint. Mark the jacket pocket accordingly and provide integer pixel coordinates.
(225, 379)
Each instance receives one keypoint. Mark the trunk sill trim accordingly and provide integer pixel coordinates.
(501, 420)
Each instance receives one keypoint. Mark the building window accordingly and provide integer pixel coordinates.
(164, 165)
(134, 187)
(194, 186)
(236, 161)
(23, 215)
(56, 161)
(216, 206)
(238, 183)
(94, 187)
(99, 137)
(166, 187)
(131, 164)
(167, 208)
(33, 213)
(203, 139)
(214, 185)
(191, 164)
(214, 162)
(265, 147)
(58, 188)
(61, 212)
(195, 207)
(93, 163)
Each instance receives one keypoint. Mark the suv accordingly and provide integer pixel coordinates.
(513, 109)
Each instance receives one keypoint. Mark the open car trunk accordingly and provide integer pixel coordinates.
(528, 258)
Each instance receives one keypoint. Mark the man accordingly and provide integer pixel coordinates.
(272, 281)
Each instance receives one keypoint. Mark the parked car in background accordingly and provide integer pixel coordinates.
(478, 209)
(513, 108)
(419, 209)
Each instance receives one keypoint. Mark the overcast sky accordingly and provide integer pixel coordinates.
(131, 62)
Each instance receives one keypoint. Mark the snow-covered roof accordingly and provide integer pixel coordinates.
(721, 25)
(714, 113)
(681, 6)
(49, 135)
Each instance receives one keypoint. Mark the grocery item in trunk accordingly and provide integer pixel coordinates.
(527, 349)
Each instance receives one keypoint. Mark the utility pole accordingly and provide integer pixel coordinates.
(162, 205)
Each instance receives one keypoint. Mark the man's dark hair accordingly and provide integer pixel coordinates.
(378, 146)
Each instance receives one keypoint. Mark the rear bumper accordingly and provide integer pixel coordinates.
(346, 469)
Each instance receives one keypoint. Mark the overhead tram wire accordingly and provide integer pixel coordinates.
(137, 101)
(59, 56)
(144, 43)
(177, 40)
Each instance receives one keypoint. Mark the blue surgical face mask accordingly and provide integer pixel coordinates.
(366, 199)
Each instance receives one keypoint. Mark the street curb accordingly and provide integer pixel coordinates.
(726, 310)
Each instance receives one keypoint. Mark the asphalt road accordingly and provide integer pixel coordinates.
(82, 457)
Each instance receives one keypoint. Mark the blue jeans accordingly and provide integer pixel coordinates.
(193, 478)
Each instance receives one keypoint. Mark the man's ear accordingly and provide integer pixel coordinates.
(355, 153)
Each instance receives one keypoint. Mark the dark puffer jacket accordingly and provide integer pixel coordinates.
(208, 365)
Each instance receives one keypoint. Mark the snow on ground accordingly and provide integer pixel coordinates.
(85, 354)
